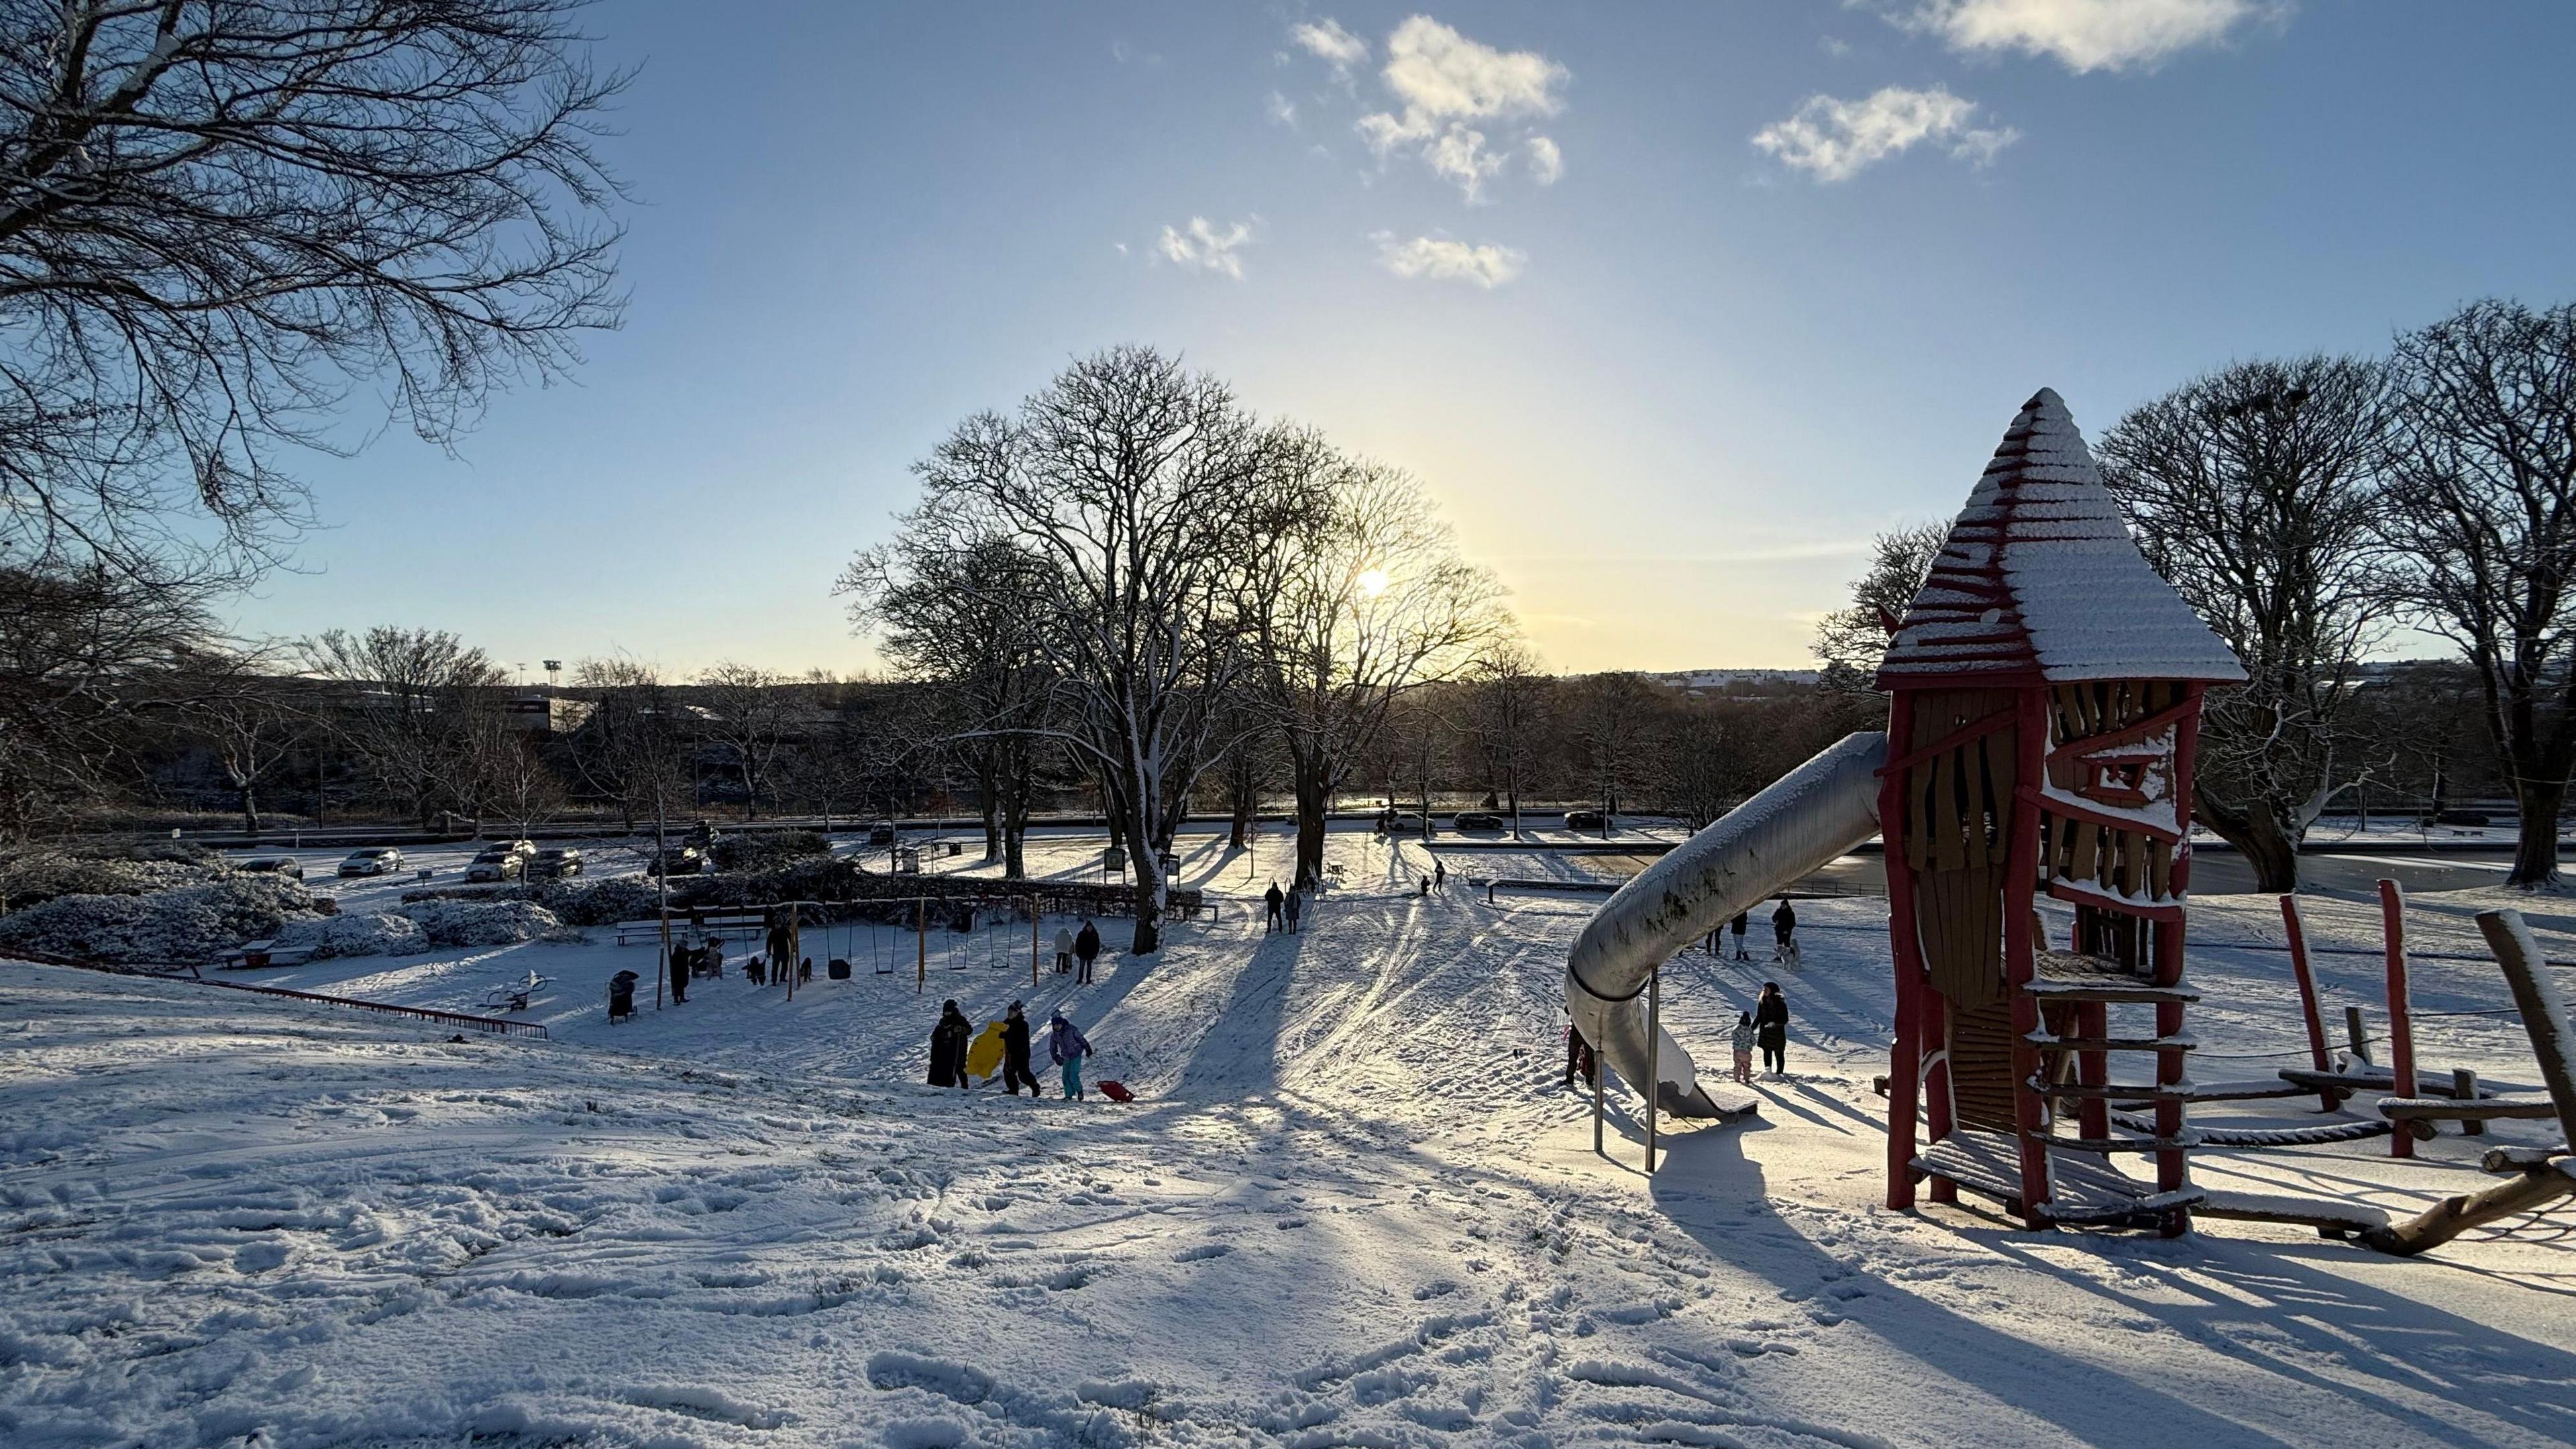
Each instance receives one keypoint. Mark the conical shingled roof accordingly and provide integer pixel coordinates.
(2040, 581)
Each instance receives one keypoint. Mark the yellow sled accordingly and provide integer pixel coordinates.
(984, 1054)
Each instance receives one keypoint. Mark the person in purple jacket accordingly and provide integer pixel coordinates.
(1065, 1044)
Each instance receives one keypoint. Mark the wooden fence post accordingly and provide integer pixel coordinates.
(2401, 1033)
(2307, 980)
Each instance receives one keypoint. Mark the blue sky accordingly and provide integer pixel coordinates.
(1796, 267)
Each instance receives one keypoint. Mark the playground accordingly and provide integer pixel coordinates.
(2320, 1196)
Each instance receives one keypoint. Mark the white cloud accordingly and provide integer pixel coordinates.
(2089, 35)
(1442, 81)
(1203, 246)
(1546, 162)
(1836, 140)
(1442, 260)
(1329, 41)
(1283, 110)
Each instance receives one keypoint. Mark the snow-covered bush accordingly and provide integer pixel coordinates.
(493, 923)
(33, 876)
(599, 902)
(380, 934)
(192, 923)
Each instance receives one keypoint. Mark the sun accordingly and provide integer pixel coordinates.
(1372, 582)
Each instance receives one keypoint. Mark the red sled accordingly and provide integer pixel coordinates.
(1117, 1092)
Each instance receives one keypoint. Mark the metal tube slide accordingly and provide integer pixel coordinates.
(1805, 819)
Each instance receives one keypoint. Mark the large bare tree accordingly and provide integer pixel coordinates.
(1359, 597)
(2256, 491)
(404, 702)
(963, 616)
(2483, 483)
(752, 712)
(1128, 480)
(1507, 711)
(218, 217)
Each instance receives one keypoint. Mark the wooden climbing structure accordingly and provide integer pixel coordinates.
(2045, 690)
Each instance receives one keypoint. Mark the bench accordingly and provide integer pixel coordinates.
(255, 955)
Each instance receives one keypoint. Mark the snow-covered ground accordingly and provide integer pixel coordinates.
(1353, 1206)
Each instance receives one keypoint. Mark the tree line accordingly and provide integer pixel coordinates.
(2313, 508)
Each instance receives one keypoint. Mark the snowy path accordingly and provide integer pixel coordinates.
(1353, 1208)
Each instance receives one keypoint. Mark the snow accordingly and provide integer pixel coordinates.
(2040, 576)
(1352, 1206)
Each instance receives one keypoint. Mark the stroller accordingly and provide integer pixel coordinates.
(621, 996)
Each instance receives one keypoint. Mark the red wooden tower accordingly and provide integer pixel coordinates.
(2046, 690)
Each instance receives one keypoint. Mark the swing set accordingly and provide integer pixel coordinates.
(947, 934)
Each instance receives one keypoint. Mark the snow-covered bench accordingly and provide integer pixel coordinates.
(252, 955)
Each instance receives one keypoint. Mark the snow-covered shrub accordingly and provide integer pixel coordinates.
(599, 902)
(818, 879)
(493, 923)
(192, 923)
(34, 876)
(380, 934)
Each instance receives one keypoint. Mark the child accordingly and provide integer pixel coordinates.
(1066, 1045)
(1744, 1047)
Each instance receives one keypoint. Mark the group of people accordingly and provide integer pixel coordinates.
(1285, 909)
(1784, 935)
(1766, 1026)
(951, 1044)
(1073, 946)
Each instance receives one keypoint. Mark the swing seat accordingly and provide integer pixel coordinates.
(838, 969)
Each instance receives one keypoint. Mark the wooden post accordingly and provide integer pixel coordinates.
(920, 943)
(1654, 1058)
(2544, 1012)
(1905, 1056)
(2307, 980)
(2021, 869)
(2401, 1034)
(795, 952)
(1033, 942)
(2355, 1039)
(2464, 1088)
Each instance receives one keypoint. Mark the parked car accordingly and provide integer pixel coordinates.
(678, 860)
(1588, 820)
(495, 865)
(1475, 820)
(1404, 822)
(285, 865)
(881, 833)
(372, 860)
(554, 861)
(520, 848)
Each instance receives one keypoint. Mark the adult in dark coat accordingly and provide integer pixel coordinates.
(1578, 1057)
(948, 1047)
(682, 958)
(1272, 899)
(1771, 1028)
(1784, 927)
(1015, 1052)
(1086, 949)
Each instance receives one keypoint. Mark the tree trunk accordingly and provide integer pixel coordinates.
(988, 773)
(2535, 850)
(1148, 875)
(250, 809)
(2257, 836)
(1314, 796)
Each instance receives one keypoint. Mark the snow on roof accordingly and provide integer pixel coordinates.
(2039, 580)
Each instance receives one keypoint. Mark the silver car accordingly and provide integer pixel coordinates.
(372, 860)
(494, 865)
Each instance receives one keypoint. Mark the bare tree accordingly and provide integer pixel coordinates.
(963, 615)
(400, 705)
(1609, 715)
(252, 730)
(1127, 479)
(216, 216)
(751, 712)
(1852, 639)
(2483, 482)
(1359, 597)
(1509, 706)
(85, 653)
(2256, 492)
